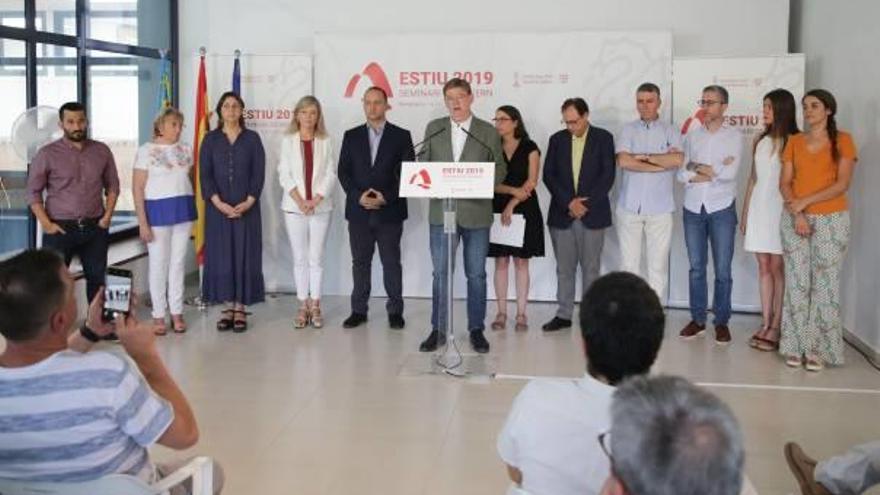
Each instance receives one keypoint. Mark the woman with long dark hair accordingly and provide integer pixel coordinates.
(762, 212)
(816, 173)
(516, 195)
(232, 166)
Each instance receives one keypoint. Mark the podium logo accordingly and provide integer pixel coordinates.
(421, 178)
(694, 121)
(375, 74)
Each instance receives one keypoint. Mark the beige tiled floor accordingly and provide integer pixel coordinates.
(337, 411)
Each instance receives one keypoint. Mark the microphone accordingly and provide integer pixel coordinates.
(431, 136)
(475, 138)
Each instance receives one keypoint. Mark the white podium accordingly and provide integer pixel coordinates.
(448, 181)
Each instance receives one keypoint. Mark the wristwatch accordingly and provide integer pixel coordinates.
(88, 334)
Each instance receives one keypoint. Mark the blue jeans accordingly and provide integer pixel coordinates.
(476, 247)
(719, 228)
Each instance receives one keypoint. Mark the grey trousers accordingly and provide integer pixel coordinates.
(572, 246)
(854, 472)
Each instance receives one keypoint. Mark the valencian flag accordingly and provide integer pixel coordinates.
(201, 125)
(236, 74)
(163, 96)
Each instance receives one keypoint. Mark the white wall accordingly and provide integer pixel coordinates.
(838, 40)
(699, 27)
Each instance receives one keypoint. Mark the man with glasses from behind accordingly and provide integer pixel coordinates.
(712, 155)
(669, 437)
(549, 439)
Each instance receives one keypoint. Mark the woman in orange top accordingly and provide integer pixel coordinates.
(817, 166)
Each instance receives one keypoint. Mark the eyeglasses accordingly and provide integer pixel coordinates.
(605, 445)
(502, 119)
(707, 103)
(570, 122)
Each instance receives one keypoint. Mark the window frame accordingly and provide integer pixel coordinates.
(83, 44)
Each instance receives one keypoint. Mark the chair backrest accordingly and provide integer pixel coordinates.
(114, 483)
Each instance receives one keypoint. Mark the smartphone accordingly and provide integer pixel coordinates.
(117, 293)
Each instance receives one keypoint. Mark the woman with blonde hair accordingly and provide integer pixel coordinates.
(163, 200)
(307, 173)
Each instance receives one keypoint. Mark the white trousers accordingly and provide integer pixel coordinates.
(307, 235)
(657, 230)
(167, 255)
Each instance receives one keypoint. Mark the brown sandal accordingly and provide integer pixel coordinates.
(521, 323)
(500, 322)
(159, 327)
(177, 324)
(225, 323)
(767, 345)
(239, 325)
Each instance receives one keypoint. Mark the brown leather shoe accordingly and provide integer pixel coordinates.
(802, 467)
(692, 330)
(722, 334)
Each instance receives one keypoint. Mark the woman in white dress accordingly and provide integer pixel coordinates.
(762, 213)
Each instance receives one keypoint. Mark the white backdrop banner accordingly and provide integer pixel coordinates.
(534, 72)
(270, 87)
(747, 80)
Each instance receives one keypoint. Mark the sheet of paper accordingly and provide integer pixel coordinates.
(509, 235)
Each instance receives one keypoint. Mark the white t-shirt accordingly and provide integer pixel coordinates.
(551, 436)
(167, 166)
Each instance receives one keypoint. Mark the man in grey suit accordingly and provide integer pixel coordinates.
(461, 137)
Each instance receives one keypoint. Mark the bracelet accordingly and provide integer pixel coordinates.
(88, 334)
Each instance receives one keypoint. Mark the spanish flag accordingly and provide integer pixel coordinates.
(201, 125)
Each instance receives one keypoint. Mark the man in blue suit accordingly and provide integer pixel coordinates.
(578, 172)
(369, 170)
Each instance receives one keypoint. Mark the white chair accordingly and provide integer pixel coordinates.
(200, 469)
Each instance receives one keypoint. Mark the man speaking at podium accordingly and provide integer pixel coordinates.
(461, 137)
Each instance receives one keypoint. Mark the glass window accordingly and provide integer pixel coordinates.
(122, 104)
(56, 76)
(132, 22)
(59, 16)
(13, 168)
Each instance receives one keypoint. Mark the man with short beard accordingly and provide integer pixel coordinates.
(76, 174)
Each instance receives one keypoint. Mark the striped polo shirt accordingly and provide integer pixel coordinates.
(78, 417)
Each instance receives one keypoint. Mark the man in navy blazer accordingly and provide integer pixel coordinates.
(369, 170)
(579, 172)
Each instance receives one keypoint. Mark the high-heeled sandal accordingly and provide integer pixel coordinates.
(522, 323)
(225, 323)
(315, 316)
(159, 327)
(302, 315)
(178, 324)
(768, 345)
(240, 325)
(500, 322)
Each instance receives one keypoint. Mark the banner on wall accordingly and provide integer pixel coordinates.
(270, 88)
(535, 72)
(747, 80)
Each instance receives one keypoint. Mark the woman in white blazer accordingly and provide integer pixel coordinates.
(307, 172)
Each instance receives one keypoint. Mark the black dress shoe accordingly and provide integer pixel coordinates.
(435, 339)
(479, 342)
(555, 324)
(396, 321)
(354, 320)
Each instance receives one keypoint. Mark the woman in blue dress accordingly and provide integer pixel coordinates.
(231, 172)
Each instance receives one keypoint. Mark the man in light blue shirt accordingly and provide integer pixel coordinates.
(712, 157)
(648, 153)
